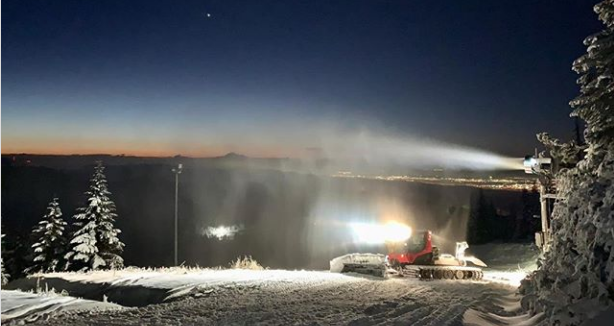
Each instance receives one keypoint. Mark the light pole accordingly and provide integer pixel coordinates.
(177, 172)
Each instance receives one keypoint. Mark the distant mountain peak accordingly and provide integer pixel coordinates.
(234, 156)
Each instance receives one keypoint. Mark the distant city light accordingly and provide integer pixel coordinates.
(504, 183)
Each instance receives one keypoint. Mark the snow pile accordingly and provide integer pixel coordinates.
(336, 265)
(22, 307)
(575, 281)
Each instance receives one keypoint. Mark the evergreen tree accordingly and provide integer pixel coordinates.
(50, 240)
(481, 220)
(5, 276)
(96, 244)
(531, 222)
(17, 254)
(576, 276)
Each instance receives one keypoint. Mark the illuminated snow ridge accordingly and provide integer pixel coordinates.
(222, 232)
(378, 233)
(512, 278)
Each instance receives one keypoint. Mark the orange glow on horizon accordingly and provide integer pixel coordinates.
(140, 149)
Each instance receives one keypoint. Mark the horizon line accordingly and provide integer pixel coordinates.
(147, 156)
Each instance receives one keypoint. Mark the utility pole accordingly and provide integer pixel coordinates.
(177, 172)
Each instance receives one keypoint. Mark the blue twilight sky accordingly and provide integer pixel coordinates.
(269, 78)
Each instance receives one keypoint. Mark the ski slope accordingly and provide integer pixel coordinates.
(189, 296)
(280, 297)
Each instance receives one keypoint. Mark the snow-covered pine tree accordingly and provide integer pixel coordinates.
(96, 244)
(5, 276)
(576, 276)
(49, 235)
(481, 219)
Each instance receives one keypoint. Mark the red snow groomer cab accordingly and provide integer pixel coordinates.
(417, 250)
(417, 254)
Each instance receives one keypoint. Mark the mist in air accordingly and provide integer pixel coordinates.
(298, 216)
(370, 148)
(302, 219)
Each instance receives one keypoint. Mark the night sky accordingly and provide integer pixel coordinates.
(264, 78)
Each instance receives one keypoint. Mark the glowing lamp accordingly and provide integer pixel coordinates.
(378, 233)
(222, 232)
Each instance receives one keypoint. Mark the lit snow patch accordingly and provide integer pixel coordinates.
(512, 278)
(222, 232)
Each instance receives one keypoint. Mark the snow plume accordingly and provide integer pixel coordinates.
(221, 232)
(382, 150)
(295, 219)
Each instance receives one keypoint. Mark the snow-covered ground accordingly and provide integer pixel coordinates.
(30, 307)
(186, 296)
(284, 298)
(507, 256)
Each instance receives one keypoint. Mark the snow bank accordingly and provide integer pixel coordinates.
(137, 287)
(27, 307)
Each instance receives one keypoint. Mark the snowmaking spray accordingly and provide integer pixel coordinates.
(382, 151)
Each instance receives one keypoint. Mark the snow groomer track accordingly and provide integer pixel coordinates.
(427, 273)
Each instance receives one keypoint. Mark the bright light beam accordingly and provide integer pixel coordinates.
(378, 233)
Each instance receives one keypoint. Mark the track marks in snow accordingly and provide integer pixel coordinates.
(302, 298)
(476, 318)
(503, 310)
